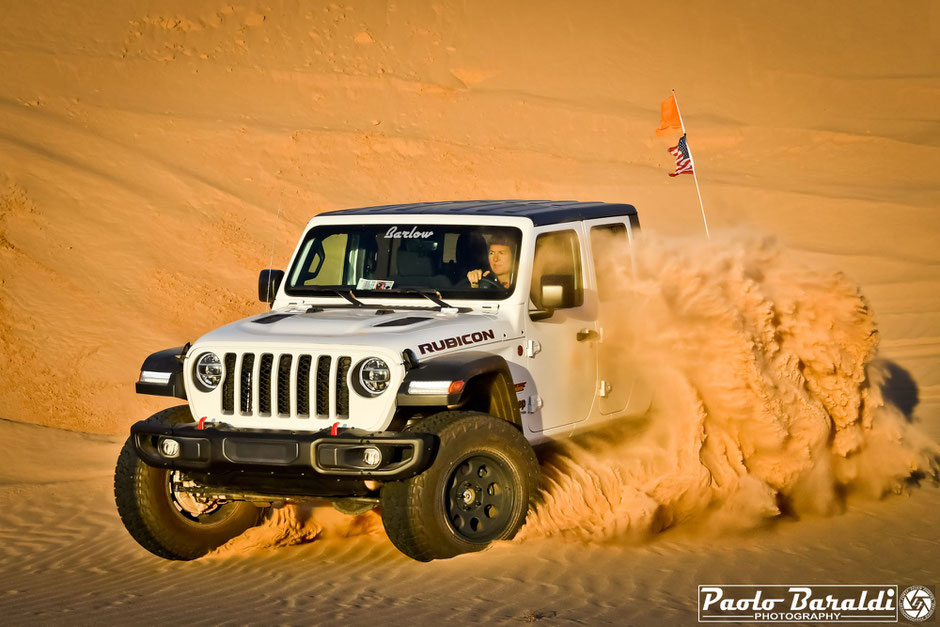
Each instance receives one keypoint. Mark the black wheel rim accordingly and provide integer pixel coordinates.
(479, 498)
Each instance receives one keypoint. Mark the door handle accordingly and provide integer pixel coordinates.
(587, 334)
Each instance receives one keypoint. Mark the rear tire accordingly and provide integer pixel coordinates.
(165, 523)
(477, 491)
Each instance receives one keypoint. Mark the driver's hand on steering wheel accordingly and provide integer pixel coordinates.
(474, 277)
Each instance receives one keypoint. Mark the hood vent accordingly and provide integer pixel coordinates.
(403, 322)
(272, 318)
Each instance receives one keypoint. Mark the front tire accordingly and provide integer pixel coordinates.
(477, 491)
(171, 525)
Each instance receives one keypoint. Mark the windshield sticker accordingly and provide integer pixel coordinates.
(371, 284)
(414, 233)
(459, 340)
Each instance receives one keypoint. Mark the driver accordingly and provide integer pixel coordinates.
(500, 258)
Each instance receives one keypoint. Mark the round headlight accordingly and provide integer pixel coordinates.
(208, 371)
(373, 376)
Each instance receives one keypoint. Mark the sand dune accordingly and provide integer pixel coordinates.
(138, 138)
(64, 557)
(147, 146)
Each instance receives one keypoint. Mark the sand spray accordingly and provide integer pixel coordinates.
(767, 398)
(766, 401)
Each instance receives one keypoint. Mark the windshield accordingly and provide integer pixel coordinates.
(397, 259)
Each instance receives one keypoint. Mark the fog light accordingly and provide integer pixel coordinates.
(169, 448)
(372, 457)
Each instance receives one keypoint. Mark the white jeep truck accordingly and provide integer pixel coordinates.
(413, 356)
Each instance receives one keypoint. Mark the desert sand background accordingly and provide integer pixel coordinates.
(146, 149)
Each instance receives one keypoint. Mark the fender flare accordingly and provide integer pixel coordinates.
(464, 366)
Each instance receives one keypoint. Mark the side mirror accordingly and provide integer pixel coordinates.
(556, 291)
(268, 283)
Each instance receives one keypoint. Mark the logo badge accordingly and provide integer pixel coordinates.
(917, 603)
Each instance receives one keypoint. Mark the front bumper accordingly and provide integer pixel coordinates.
(227, 450)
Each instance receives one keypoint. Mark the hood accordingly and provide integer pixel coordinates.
(426, 332)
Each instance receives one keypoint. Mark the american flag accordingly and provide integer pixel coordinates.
(683, 158)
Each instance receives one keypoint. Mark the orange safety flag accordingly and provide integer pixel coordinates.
(670, 117)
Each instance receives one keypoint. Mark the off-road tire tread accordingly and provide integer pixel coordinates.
(404, 522)
(135, 506)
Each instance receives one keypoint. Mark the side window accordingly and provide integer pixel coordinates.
(557, 254)
(608, 243)
(327, 264)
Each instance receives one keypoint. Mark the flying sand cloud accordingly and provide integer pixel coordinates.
(767, 400)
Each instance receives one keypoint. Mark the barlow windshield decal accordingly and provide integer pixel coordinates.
(457, 340)
(414, 233)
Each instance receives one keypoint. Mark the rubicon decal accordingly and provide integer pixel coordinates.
(457, 340)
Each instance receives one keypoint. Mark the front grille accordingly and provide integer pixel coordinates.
(283, 386)
(303, 386)
(323, 385)
(286, 385)
(264, 384)
(342, 389)
(248, 365)
(228, 385)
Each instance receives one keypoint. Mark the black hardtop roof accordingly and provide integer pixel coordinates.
(541, 212)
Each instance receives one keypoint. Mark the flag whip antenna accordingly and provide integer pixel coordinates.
(694, 169)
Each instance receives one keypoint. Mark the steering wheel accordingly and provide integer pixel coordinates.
(490, 282)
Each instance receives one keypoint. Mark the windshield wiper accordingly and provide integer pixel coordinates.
(432, 295)
(350, 297)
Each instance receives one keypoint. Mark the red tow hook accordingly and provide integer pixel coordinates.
(202, 423)
(334, 429)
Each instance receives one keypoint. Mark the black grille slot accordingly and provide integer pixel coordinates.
(303, 385)
(228, 385)
(342, 389)
(323, 385)
(283, 385)
(248, 365)
(264, 383)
